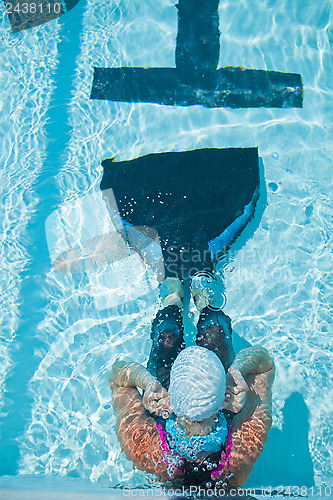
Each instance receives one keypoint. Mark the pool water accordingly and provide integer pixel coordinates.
(57, 342)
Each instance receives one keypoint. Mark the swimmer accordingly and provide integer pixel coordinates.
(205, 414)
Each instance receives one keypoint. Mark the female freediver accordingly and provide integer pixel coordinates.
(205, 414)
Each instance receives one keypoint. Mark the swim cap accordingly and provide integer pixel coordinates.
(197, 383)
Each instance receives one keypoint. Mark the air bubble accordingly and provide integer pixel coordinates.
(273, 186)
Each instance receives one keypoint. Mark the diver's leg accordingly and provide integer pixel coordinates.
(215, 333)
(167, 334)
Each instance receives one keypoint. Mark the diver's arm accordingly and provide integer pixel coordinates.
(257, 369)
(155, 399)
(253, 359)
(251, 425)
(124, 374)
(137, 433)
(136, 430)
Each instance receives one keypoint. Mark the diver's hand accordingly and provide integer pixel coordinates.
(236, 391)
(156, 399)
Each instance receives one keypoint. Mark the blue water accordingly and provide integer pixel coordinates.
(56, 344)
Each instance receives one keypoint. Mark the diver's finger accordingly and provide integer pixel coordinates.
(239, 379)
(155, 398)
(159, 408)
(161, 394)
(156, 386)
(236, 408)
(230, 392)
(233, 389)
(234, 402)
(162, 406)
(231, 406)
(151, 407)
(226, 405)
(149, 399)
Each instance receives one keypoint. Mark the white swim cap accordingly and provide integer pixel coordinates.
(197, 383)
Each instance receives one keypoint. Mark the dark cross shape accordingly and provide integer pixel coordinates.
(196, 80)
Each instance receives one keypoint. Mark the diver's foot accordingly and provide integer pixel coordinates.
(167, 331)
(167, 334)
(207, 291)
(215, 334)
(172, 292)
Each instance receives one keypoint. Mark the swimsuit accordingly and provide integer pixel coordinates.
(181, 452)
(193, 447)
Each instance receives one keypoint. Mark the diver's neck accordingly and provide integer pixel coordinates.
(195, 428)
